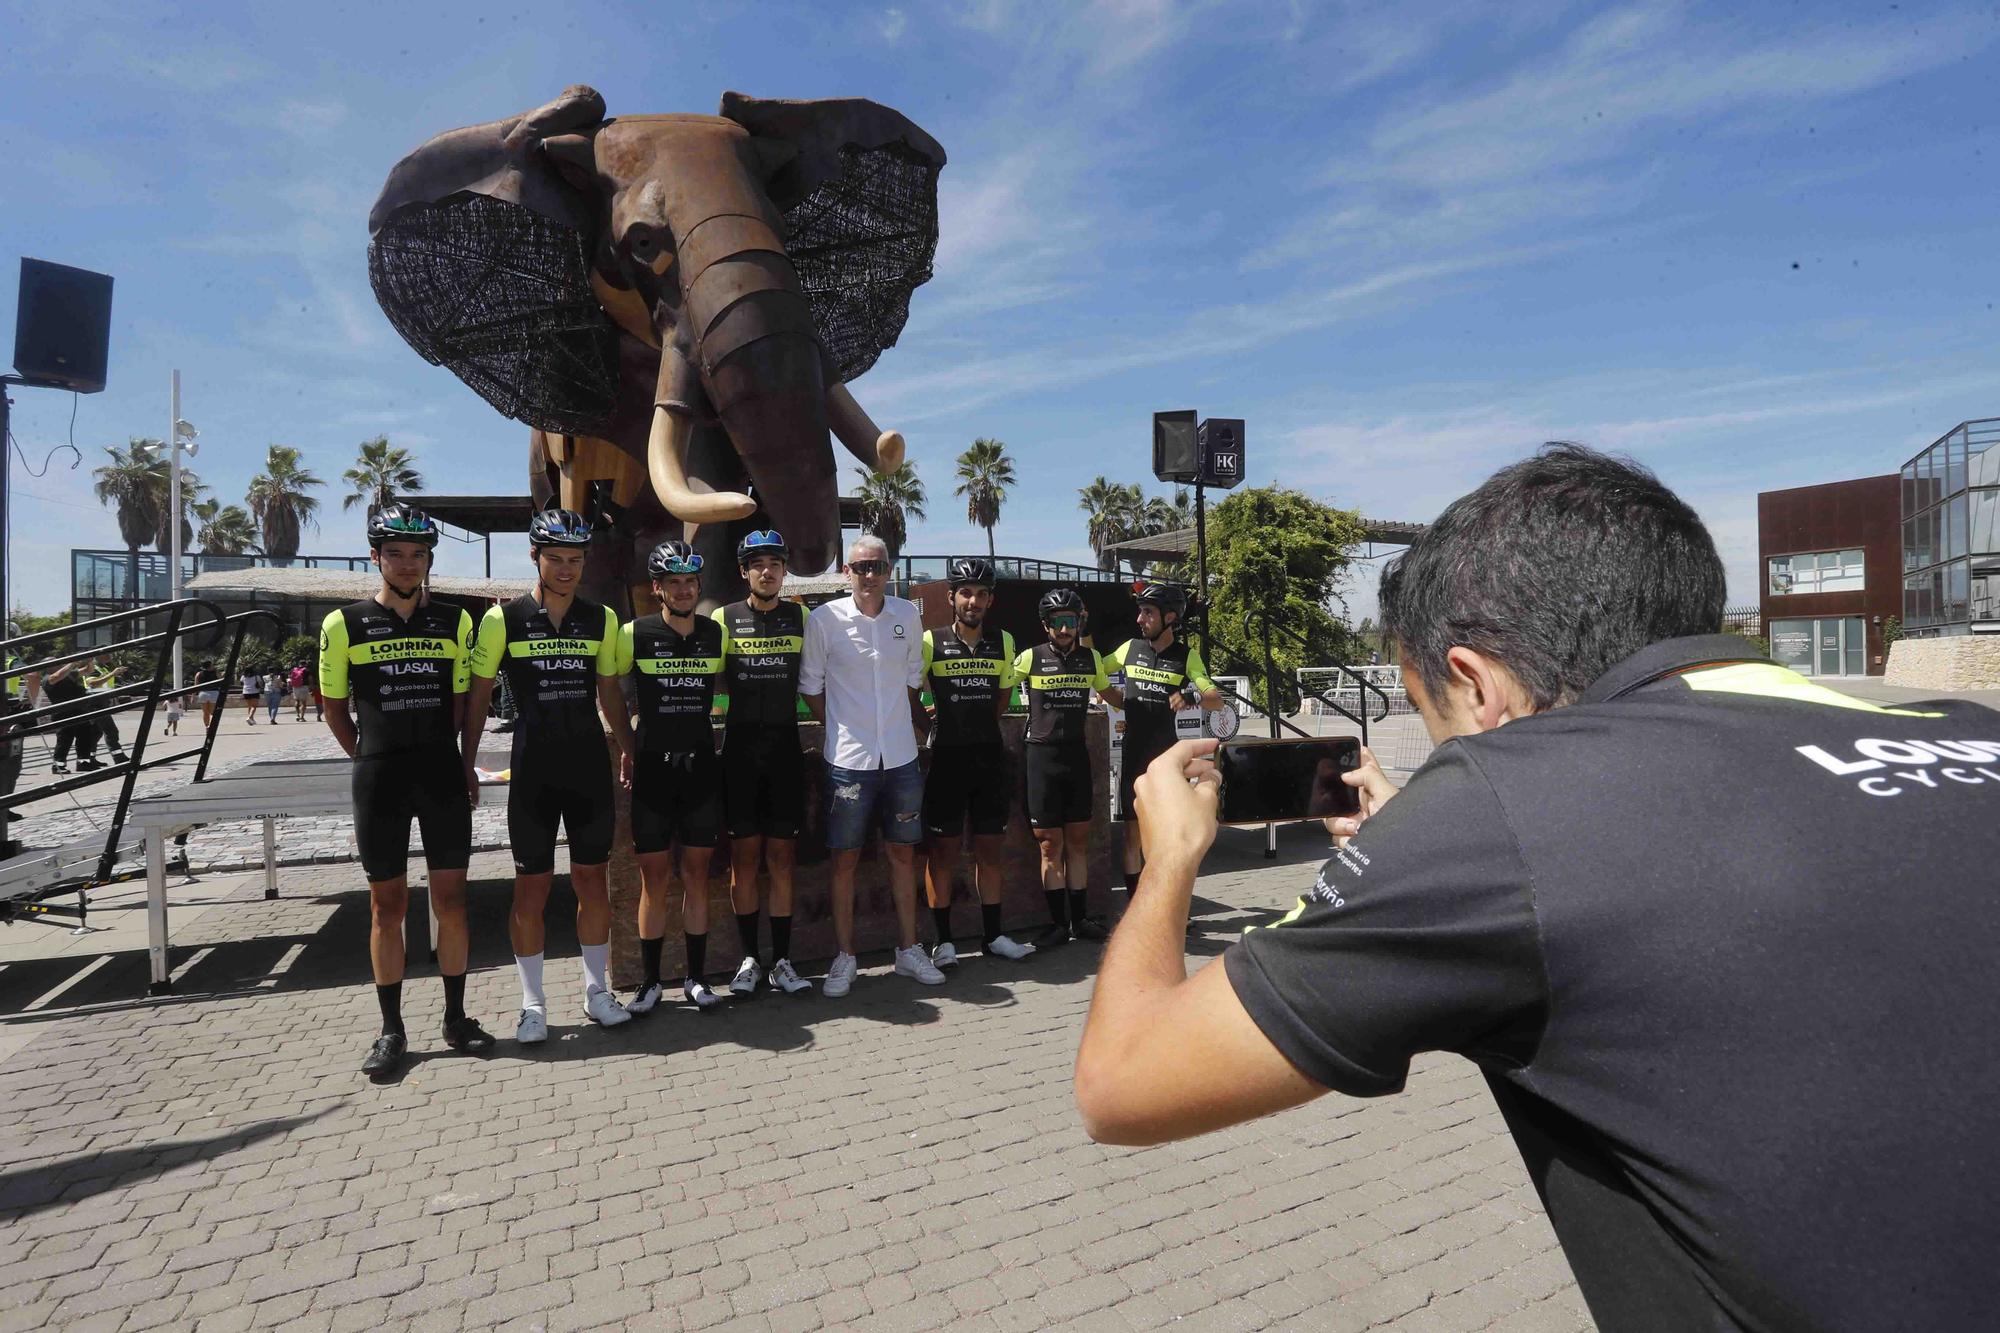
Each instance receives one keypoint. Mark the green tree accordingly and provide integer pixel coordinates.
(985, 473)
(1110, 515)
(380, 471)
(192, 489)
(223, 529)
(132, 484)
(889, 500)
(278, 499)
(1276, 554)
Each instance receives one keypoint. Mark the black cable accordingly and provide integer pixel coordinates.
(70, 445)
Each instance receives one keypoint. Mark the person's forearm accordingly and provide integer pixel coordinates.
(477, 701)
(611, 703)
(341, 723)
(1144, 963)
(816, 705)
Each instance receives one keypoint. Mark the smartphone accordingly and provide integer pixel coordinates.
(1273, 782)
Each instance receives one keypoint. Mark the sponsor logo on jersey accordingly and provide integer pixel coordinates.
(1893, 767)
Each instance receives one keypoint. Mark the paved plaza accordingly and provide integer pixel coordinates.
(906, 1158)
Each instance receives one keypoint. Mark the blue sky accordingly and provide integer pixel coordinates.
(1750, 245)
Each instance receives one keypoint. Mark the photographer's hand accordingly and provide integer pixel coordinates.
(1376, 791)
(1175, 800)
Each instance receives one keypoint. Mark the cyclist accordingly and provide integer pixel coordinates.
(763, 771)
(560, 654)
(675, 779)
(1059, 676)
(970, 671)
(394, 671)
(1163, 675)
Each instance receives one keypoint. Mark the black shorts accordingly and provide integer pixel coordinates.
(1059, 784)
(389, 789)
(676, 798)
(763, 781)
(1138, 751)
(966, 781)
(573, 789)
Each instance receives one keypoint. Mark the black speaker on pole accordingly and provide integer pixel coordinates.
(1176, 456)
(62, 326)
(1221, 447)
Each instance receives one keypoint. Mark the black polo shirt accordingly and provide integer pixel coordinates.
(1724, 943)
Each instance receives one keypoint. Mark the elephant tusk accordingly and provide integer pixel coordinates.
(879, 450)
(665, 450)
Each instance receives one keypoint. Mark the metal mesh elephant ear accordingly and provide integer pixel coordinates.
(499, 295)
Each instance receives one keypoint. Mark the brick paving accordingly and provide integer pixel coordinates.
(907, 1158)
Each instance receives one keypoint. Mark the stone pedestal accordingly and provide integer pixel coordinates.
(874, 909)
(1962, 662)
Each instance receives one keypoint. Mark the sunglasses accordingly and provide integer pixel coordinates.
(691, 565)
(869, 568)
(1063, 622)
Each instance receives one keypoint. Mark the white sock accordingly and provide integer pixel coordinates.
(596, 957)
(530, 968)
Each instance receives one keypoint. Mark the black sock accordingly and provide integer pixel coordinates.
(390, 997)
(454, 998)
(697, 951)
(1131, 881)
(989, 921)
(746, 932)
(649, 955)
(941, 919)
(1058, 906)
(1076, 905)
(781, 937)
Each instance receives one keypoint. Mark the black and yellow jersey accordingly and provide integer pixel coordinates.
(402, 675)
(673, 676)
(1059, 686)
(761, 651)
(552, 669)
(969, 682)
(1153, 676)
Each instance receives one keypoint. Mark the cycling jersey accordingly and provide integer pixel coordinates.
(1059, 686)
(674, 677)
(402, 674)
(968, 681)
(1153, 676)
(761, 651)
(552, 669)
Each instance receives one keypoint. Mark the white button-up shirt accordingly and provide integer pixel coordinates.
(865, 666)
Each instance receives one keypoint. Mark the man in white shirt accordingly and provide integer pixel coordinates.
(862, 676)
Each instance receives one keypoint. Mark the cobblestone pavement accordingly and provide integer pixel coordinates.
(906, 1158)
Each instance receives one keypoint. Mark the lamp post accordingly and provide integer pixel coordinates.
(180, 437)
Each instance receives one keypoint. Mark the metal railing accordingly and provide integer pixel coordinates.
(914, 569)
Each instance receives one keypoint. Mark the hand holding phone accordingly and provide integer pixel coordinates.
(1278, 781)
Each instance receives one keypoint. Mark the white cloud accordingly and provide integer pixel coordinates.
(892, 25)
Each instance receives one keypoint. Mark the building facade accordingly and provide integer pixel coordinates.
(1832, 570)
(1951, 533)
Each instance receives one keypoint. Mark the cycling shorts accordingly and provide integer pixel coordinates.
(1059, 784)
(1140, 750)
(966, 781)
(676, 798)
(571, 789)
(764, 781)
(389, 789)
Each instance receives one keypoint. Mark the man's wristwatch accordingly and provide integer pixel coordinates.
(1192, 693)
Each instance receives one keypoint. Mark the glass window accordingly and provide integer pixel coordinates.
(1792, 644)
(1909, 488)
(1780, 569)
(1956, 576)
(1914, 611)
(1982, 523)
(1983, 463)
(1955, 529)
(1984, 602)
(1954, 476)
(1854, 647)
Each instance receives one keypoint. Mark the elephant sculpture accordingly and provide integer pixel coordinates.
(673, 303)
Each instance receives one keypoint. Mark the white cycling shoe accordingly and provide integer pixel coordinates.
(746, 978)
(841, 975)
(533, 1029)
(1009, 949)
(912, 963)
(945, 955)
(786, 978)
(602, 1008)
(699, 995)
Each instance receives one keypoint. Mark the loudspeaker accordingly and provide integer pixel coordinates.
(1220, 441)
(62, 326)
(1176, 456)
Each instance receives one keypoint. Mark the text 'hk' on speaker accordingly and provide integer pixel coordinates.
(1175, 454)
(1220, 444)
(62, 326)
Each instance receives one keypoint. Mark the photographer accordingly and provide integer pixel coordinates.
(1720, 939)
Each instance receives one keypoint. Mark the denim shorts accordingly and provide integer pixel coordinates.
(894, 797)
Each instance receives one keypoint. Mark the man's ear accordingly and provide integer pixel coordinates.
(1485, 692)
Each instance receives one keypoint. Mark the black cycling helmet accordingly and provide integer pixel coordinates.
(964, 569)
(672, 558)
(764, 541)
(1166, 596)
(1059, 600)
(401, 523)
(557, 527)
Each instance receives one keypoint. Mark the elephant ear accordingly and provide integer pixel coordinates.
(479, 254)
(858, 192)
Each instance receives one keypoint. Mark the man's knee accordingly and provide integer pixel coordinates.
(388, 902)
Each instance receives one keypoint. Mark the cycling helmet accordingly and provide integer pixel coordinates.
(764, 541)
(672, 558)
(1166, 596)
(557, 527)
(401, 523)
(965, 569)
(1057, 601)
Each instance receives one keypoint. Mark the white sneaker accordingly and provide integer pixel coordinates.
(786, 978)
(1008, 949)
(648, 996)
(745, 980)
(945, 955)
(698, 994)
(533, 1027)
(841, 975)
(603, 1009)
(911, 963)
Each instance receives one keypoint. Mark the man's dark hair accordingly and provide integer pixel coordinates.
(1558, 567)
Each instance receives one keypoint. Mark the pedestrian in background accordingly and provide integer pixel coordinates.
(274, 693)
(253, 691)
(299, 674)
(210, 694)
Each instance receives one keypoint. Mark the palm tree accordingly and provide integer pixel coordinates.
(1111, 514)
(984, 474)
(278, 501)
(224, 530)
(888, 501)
(380, 471)
(133, 483)
(192, 489)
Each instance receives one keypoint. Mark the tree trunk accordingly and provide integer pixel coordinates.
(990, 557)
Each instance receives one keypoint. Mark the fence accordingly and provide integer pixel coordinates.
(1400, 741)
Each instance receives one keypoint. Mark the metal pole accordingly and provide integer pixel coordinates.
(1201, 560)
(6, 465)
(174, 513)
